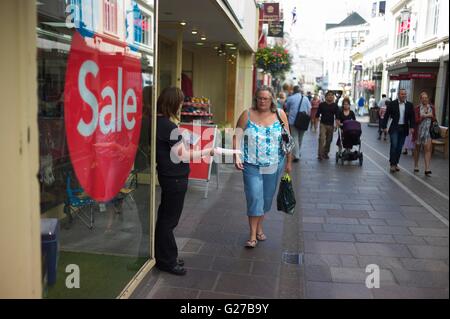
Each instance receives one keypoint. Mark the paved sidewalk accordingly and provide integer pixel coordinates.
(347, 218)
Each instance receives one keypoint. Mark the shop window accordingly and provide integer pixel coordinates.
(108, 238)
(110, 16)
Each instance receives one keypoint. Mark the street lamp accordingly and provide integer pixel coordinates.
(405, 14)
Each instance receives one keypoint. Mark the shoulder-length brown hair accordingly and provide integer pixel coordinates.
(346, 100)
(273, 106)
(169, 102)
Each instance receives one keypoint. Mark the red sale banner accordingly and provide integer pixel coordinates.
(103, 113)
(199, 137)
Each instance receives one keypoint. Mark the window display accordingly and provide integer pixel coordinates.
(198, 109)
(95, 83)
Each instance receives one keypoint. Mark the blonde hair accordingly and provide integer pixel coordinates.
(273, 106)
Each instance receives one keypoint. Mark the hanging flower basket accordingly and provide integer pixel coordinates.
(276, 60)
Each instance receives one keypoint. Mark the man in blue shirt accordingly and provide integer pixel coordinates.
(361, 104)
(294, 104)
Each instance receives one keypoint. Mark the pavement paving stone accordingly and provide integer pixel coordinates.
(359, 275)
(428, 252)
(421, 279)
(258, 286)
(349, 261)
(325, 290)
(329, 247)
(424, 264)
(334, 228)
(370, 221)
(401, 292)
(392, 230)
(430, 232)
(195, 279)
(377, 238)
(341, 220)
(318, 273)
(437, 241)
(388, 250)
(322, 260)
(324, 236)
(381, 261)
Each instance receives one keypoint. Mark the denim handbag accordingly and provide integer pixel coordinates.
(287, 142)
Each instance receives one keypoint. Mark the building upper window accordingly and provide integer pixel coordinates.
(142, 29)
(403, 31)
(110, 16)
(433, 17)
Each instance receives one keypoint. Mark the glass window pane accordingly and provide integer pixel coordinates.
(94, 139)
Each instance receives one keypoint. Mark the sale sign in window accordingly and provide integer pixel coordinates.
(102, 113)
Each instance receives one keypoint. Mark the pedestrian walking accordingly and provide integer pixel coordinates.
(287, 89)
(381, 113)
(314, 107)
(399, 121)
(296, 104)
(425, 115)
(327, 112)
(172, 159)
(258, 135)
(361, 105)
(372, 102)
(281, 101)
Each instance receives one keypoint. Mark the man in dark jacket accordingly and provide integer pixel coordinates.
(400, 116)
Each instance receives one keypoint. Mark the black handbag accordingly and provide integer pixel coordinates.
(302, 119)
(435, 130)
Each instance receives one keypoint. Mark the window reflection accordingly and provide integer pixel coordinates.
(110, 238)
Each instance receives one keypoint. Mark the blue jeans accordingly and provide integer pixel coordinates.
(398, 137)
(260, 184)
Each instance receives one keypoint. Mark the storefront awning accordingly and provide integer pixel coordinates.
(413, 70)
(205, 16)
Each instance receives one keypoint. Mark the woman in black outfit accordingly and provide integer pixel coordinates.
(172, 158)
(344, 115)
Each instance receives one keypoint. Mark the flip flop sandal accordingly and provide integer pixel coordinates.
(251, 243)
(261, 237)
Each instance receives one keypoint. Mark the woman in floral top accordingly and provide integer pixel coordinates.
(425, 116)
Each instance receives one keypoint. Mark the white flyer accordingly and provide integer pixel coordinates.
(226, 151)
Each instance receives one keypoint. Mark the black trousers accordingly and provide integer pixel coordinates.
(173, 191)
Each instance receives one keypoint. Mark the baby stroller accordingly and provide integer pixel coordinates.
(349, 136)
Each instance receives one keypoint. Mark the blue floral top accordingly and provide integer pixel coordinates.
(261, 145)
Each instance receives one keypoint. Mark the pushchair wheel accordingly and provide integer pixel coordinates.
(337, 157)
(361, 159)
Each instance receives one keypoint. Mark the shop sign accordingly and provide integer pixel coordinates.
(413, 76)
(271, 12)
(421, 75)
(399, 77)
(377, 76)
(103, 114)
(276, 29)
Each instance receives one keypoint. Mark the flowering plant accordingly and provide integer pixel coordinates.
(276, 60)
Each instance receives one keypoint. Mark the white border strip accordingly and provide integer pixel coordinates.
(407, 172)
(411, 193)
